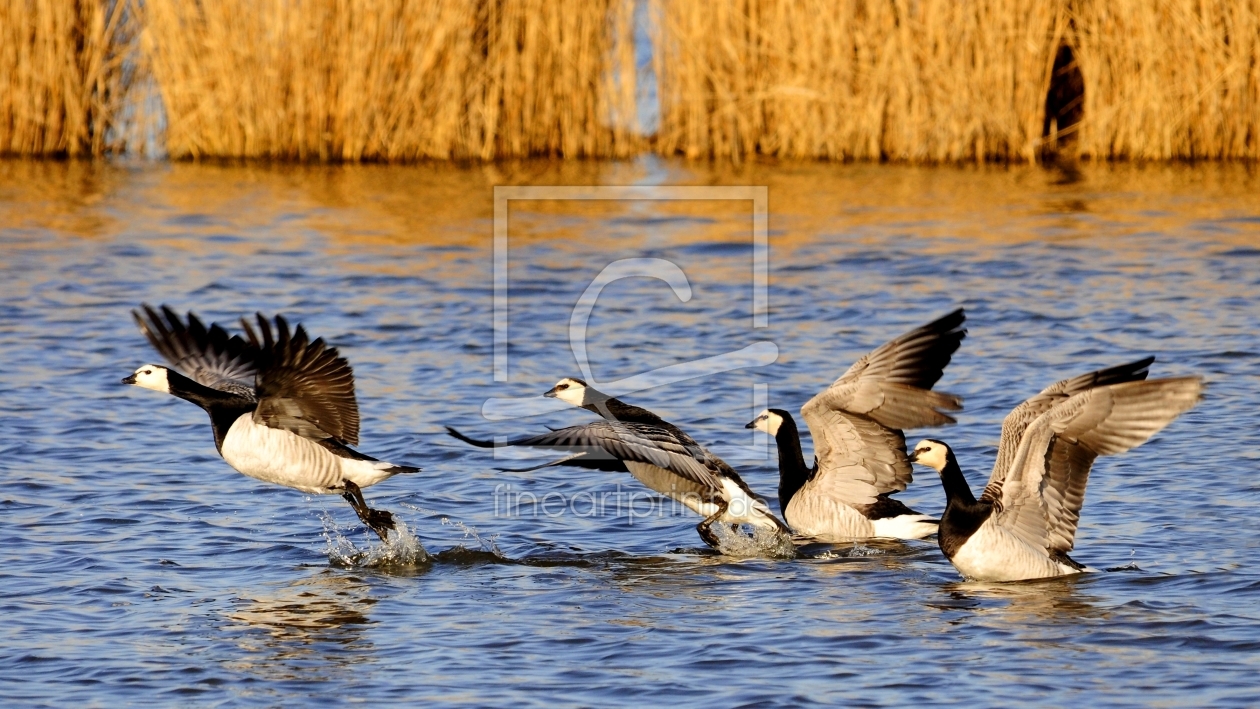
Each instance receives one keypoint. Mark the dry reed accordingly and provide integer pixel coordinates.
(399, 80)
(925, 81)
(1169, 80)
(392, 79)
(63, 78)
(941, 80)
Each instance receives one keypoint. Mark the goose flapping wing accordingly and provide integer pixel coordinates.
(1042, 494)
(917, 359)
(607, 445)
(303, 386)
(208, 356)
(1017, 421)
(857, 458)
(856, 422)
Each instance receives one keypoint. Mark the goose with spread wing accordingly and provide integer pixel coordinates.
(282, 406)
(656, 452)
(859, 448)
(1024, 523)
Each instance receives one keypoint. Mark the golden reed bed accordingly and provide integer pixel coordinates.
(399, 80)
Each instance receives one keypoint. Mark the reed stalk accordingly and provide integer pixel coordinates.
(918, 81)
(392, 80)
(941, 80)
(63, 76)
(1176, 79)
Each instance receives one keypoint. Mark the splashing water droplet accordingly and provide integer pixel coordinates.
(483, 543)
(764, 543)
(402, 549)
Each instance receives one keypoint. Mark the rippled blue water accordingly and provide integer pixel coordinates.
(137, 568)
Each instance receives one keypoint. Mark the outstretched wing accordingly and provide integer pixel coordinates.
(303, 386)
(858, 459)
(1042, 496)
(916, 359)
(856, 422)
(209, 356)
(1017, 421)
(608, 445)
(593, 458)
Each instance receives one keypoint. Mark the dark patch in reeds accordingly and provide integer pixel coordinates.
(1065, 105)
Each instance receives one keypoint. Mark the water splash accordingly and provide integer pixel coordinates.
(483, 544)
(761, 542)
(402, 549)
(829, 551)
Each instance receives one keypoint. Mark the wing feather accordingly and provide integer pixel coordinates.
(209, 356)
(1043, 493)
(603, 441)
(1018, 420)
(857, 422)
(917, 359)
(304, 386)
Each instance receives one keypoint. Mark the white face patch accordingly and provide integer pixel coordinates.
(151, 376)
(930, 454)
(769, 422)
(570, 391)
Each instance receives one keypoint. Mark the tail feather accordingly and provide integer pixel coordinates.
(469, 440)
(913, 526)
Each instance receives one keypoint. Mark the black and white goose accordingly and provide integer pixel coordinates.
(1024, 523)
(282, 406)
(859, 448)
(656, 452)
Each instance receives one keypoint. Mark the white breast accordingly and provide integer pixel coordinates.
(280, 457)
(744, 508)
(994, 554)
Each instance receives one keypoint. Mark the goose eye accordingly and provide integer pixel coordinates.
(148, 371)
(562, 387)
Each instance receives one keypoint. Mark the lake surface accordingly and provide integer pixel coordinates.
(136, 568)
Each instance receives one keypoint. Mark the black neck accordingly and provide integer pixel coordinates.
(963, 514)
(224, 408)
(956, 488)
(792, 471)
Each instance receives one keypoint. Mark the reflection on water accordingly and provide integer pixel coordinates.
(1063, 601)
(441, 204)
(134, 564)
(311, 629)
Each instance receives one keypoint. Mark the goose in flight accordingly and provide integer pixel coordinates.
(859, 449)
(656, 452)
(1024, 523)
(281, 406)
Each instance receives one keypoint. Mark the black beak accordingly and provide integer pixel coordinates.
(750, 424)
(912, 456)
(551, 393)
(129, 380)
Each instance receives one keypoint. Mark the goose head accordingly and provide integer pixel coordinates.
(150, 376)
(574, 392)
(769, 421)
(931, 453)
